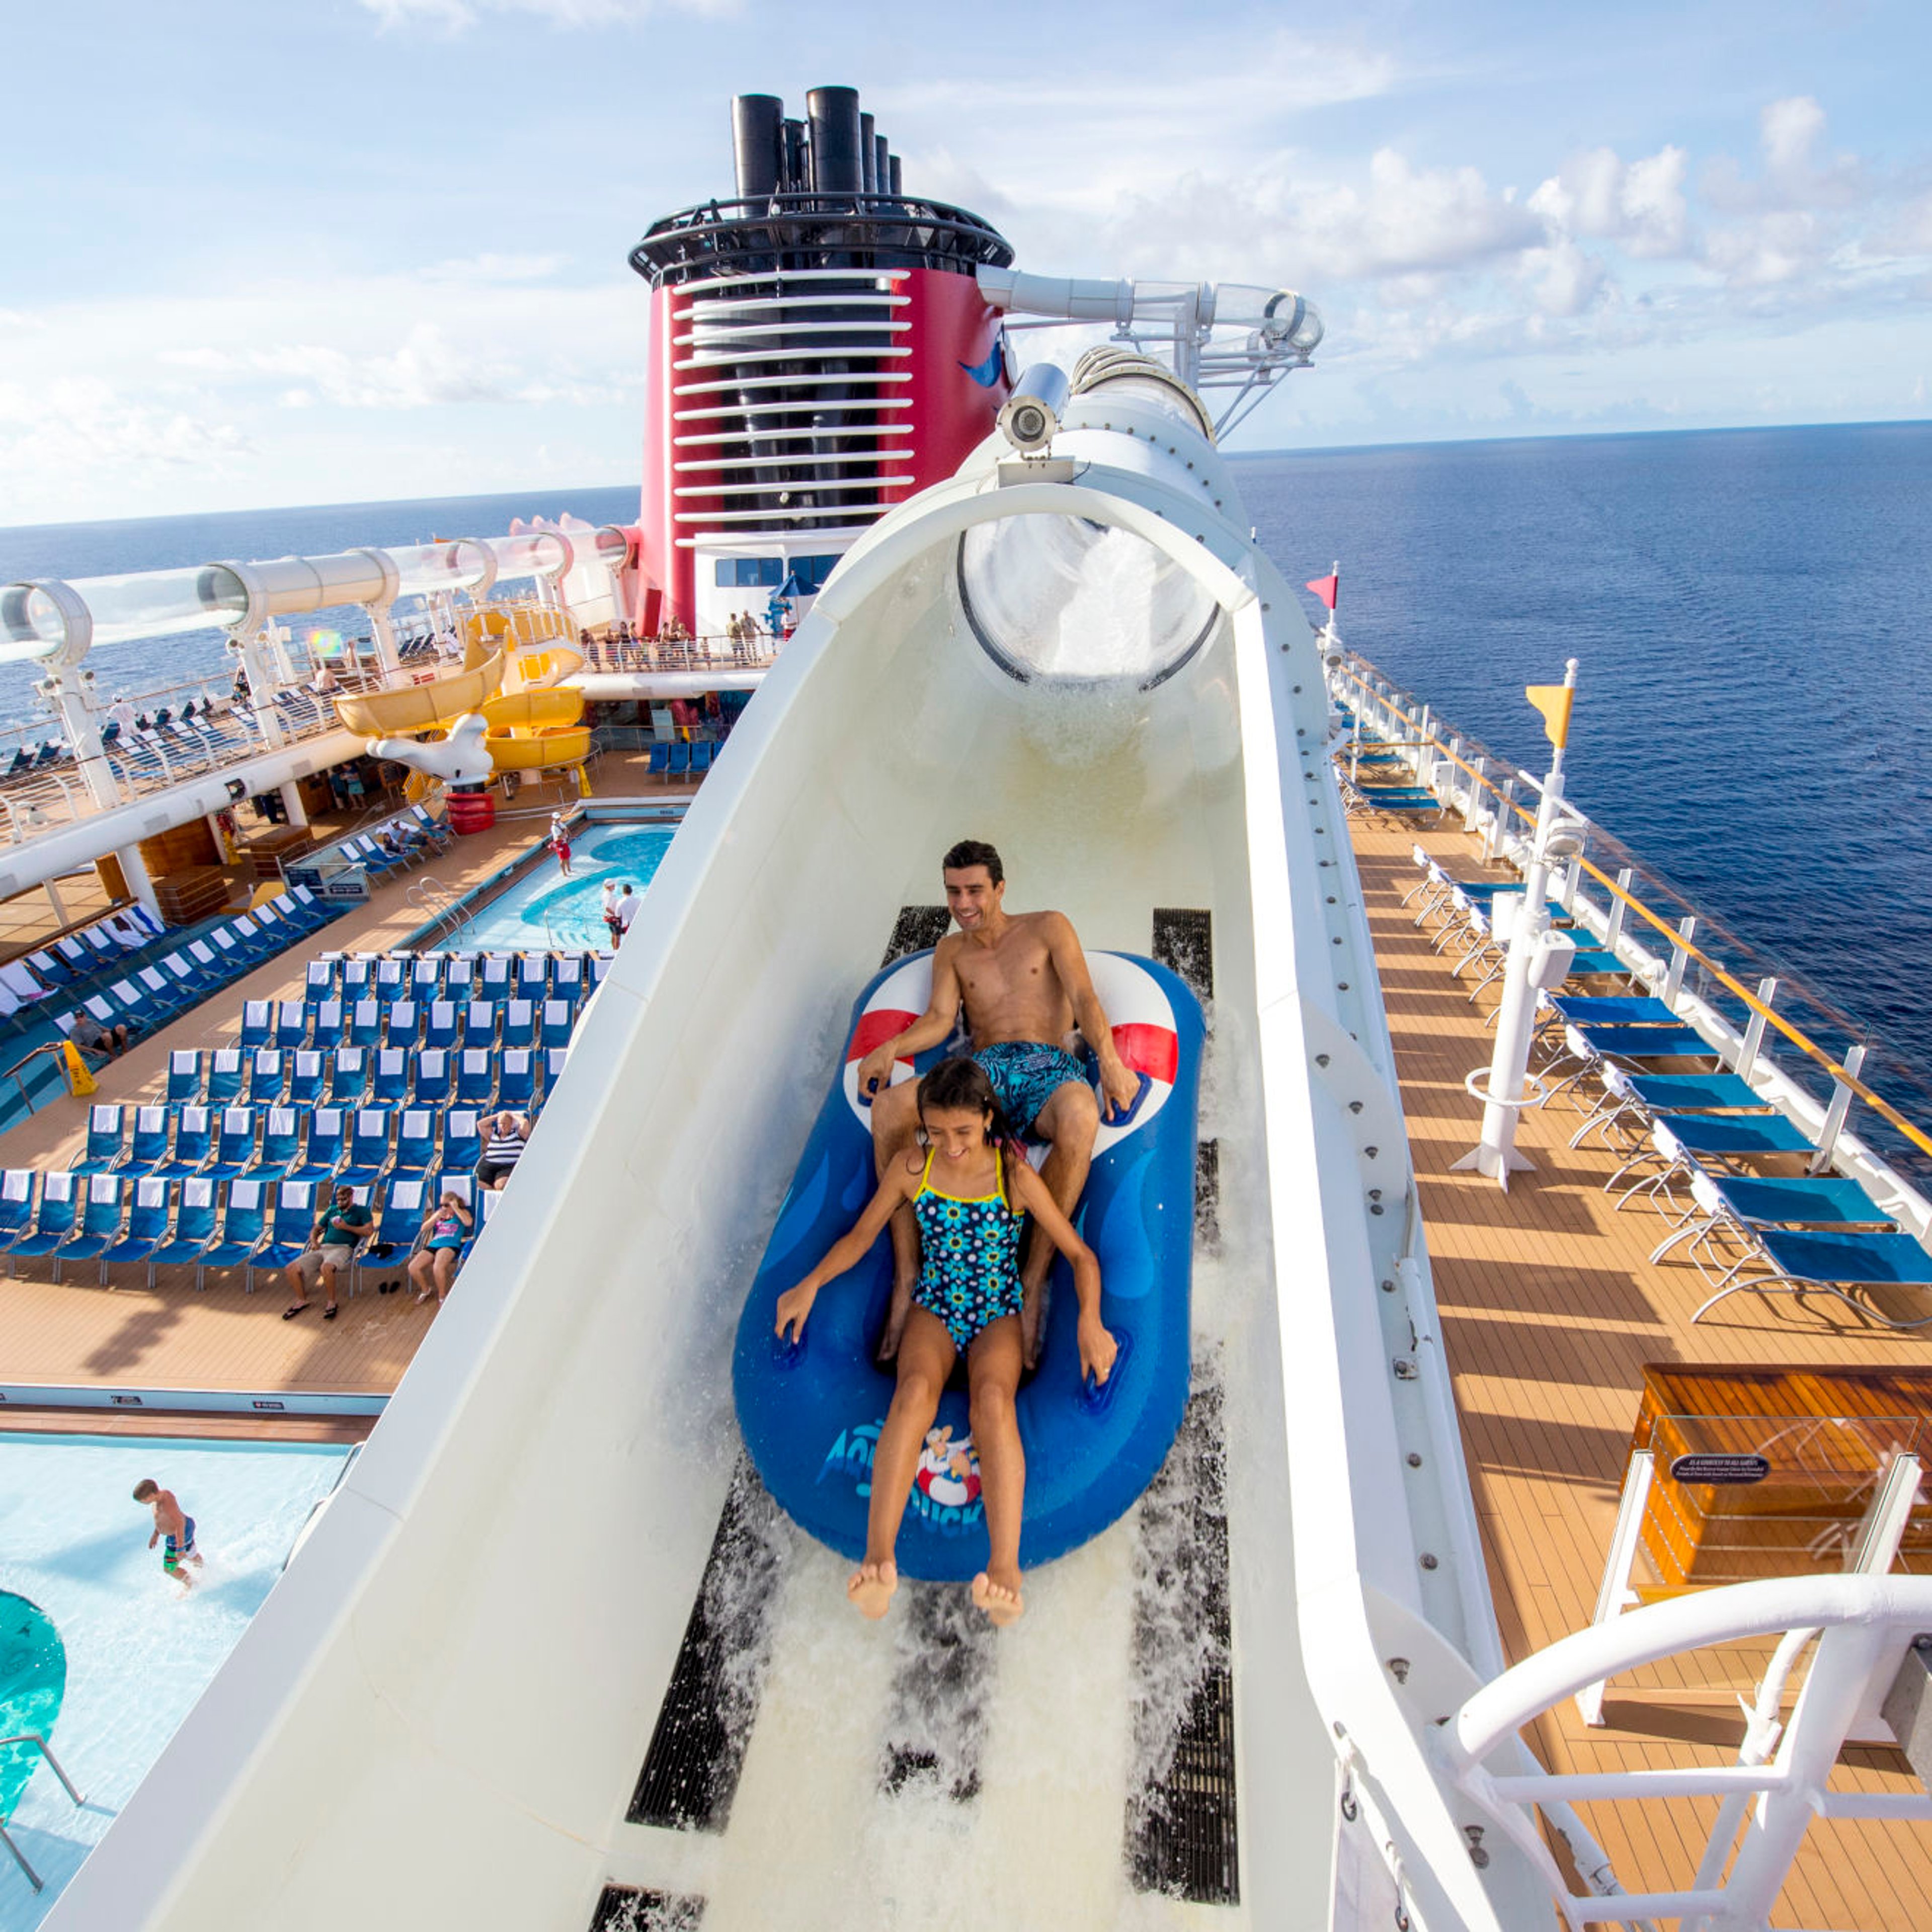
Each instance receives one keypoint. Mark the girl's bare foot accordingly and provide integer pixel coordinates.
(871, 1588)
(1000, 1600)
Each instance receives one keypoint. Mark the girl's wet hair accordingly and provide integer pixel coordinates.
(959, 1085)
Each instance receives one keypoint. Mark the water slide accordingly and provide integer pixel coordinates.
(472, 1699)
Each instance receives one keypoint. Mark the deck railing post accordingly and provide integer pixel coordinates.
(1473, 804)
(1767, 992)
(1614, 924)
(1613, 1594)
(1680, 957)
(1835, 1113)
(1425, 752)
(1493, 838)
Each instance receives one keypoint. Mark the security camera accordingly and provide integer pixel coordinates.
(1030, 419)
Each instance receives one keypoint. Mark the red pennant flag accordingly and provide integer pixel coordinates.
(1326, 587)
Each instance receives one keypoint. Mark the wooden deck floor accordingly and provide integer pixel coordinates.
(1549, 1309)
(220, 1338)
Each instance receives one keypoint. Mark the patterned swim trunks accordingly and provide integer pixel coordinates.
(1025, 1075)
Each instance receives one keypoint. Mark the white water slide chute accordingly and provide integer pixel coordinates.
(439, 1717)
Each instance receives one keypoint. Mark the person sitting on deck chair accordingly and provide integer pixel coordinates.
(1022, 981)
(91, 1036)
(339, 1229)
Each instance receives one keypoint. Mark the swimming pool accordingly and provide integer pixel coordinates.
(139, 1651)
(543, 909)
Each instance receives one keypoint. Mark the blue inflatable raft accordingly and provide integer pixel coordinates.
(810, 1411)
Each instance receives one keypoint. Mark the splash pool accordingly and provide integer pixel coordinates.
(139, 1651)
(543, 911)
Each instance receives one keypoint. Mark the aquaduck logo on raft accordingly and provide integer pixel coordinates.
(945, 1496)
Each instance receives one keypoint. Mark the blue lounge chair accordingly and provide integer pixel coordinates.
(520, 1025)
(194, 1132)
(54, 970)
(54, 1218)
(107, 1127)
(358, 976)
(196, 1218)
(365, 1024)
(680, 764)
(321, 981)
(560, 1021)
(235, 958)
(292, 1021)
(322, 1153)
(244, 1219)
(17, 1203)
(416, 1141)
(391, 1084)
(700, 757)
(1817, 1262)
(533, 977)
(479, 1023)
(567, 980)
(348, 1075)
(224, 1076)
(444, 1030)
(187, 1077)
(292, 1220)
(432, 1086)
(554, 1059)
(391, 981)
(192, 985)
(148, 1146)
(493, 982)
(425, 980)
(162, 994)
(476, 1078)
(281, 1138)
(462, 1140)
(1728, 1209)
(234, 1143)
(516, 1079)
(147, 1228)
(397, 1216)
(660, 760)
(368, 1146)
(404, 1027)
(459, 978)
(305, 1079)
(258, 1024)
(103, 1210)
(267, 1076)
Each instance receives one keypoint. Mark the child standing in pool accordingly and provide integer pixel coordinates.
(170, 1521)
(967, 1191)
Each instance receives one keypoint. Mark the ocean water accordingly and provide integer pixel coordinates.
(1749, 607)
(1750, 611)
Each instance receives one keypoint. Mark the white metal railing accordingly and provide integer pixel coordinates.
(40, 1743)
(1863, 1627)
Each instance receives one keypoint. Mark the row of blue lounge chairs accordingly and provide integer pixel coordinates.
(350, 1145)
(458, 977)
(251, 1222)
(292, 1024)
(1749, 1197)
(682, 760)
(352, 1076)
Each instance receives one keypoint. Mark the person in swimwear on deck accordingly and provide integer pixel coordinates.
(1022, 979)
(966, 1191)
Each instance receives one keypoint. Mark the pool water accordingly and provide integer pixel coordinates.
(543, 910)
(139, 1650)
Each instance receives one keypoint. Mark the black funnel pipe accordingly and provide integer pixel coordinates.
(882, 166)
(833, 113)
(794, 170)
(757, 121)
(868, 177)
(893, 176)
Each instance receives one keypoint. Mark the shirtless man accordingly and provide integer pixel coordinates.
(1023, 981)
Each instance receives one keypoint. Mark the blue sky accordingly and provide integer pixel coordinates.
(274, 254)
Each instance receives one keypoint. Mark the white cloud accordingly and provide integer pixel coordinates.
(491, 268)
(1792, 174)
(82, 430)
(1640, 205)
(457, 16)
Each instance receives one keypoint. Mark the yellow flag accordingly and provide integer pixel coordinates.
(1553, 701)
(79, 1080)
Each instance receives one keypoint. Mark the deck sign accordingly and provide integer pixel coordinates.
(1726, 1470)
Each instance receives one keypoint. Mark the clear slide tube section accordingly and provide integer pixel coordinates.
(144, 604)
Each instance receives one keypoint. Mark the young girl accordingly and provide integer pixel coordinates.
(967, 1192)
(432, 1267)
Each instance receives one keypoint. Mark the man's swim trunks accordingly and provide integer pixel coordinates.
(172, 1552)
(969, 1271)
(1025, 1075)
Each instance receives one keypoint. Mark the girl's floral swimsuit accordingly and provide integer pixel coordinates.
(969, 1274)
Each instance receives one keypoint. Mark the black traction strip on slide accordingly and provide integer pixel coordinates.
(691, 1771)
(1181, 1816)
(623, 1908)
(1207, 1193)
(916, 928)
(1184, 942)
(938, 1719)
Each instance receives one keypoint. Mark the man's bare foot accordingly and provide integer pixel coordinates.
(871, 1588)
(1000, 1601)
(897, 1309)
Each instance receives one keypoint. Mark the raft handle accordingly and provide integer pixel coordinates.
(1096, 1397)
(1134, 1106)
(787, 1353)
